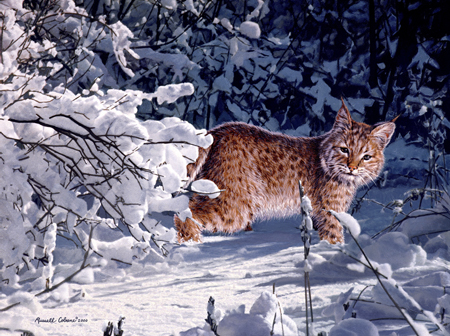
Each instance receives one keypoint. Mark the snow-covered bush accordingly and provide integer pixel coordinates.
(354, 327)
(266, 317)
(306, 228)
(114, 329)
(285, 64)
(76, 163)
(418, 304)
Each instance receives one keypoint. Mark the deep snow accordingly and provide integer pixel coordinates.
(170, 297)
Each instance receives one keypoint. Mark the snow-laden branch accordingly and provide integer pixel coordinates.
(72, 161)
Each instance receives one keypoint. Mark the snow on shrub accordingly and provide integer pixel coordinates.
(394, 248)
(264, 318)
(354, 327)
(76, 163)
(18, 325)
(390, 252)
(425, 222)
(250, 29)
(439, 246)
(416, 300)
(337, 309)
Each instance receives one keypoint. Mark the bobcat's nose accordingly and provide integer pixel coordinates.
(352, 168)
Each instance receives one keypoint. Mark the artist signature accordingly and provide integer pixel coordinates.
(60, 320)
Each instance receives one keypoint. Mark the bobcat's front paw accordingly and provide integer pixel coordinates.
(332, 237)
(187, 230)
(329, 229)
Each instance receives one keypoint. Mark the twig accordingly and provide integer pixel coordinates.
(273, 324)
(359, 296)
(210, 319)
(306, 306)
(281, 314)
(394, 226)
(310, 298)
(2, 28)
(306, 238)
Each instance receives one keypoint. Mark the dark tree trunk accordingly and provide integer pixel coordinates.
(373, 81)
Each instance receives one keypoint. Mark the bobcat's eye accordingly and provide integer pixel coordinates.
(367, 157)
(344, 150)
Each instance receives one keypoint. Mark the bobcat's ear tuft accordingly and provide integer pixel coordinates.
(383, 133)
(343, 119)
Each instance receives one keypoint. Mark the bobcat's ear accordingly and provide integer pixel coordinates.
(383, 133)
(343, 119)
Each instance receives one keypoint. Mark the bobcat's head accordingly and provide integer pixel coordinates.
(352, 152)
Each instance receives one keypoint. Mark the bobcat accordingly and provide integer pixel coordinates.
(259, 173)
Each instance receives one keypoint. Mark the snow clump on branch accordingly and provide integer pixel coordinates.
(75, 160)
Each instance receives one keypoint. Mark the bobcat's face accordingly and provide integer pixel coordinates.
(353, 152)
(356, 158)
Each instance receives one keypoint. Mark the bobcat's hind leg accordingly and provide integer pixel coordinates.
(187, 230)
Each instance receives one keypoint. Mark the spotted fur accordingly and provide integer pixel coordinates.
(259, 172)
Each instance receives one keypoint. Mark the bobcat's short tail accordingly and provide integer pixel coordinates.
(194, 168)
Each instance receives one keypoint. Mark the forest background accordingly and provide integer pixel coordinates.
(104, 102)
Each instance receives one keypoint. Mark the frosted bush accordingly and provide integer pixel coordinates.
(258, 321)
(75, 160)
(337, 309)
(388, 299)
(250, 29)
(11, 322)
(423, 222)
(395, 249)
(354, 327)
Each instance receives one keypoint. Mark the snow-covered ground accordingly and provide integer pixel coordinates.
(170, 297)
